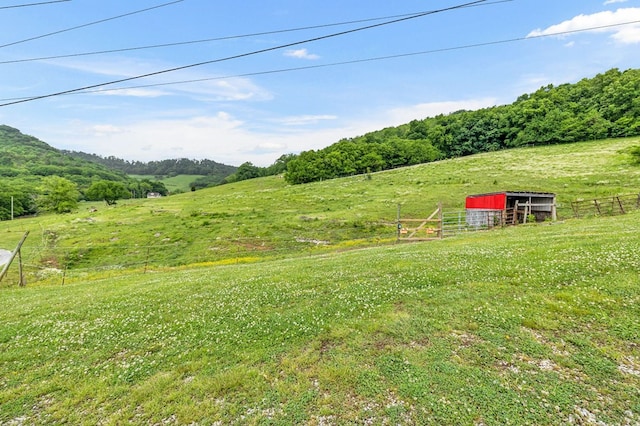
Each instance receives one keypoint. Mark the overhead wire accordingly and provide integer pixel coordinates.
(33, 4)
(242, 55)
(354, 61)
(230, 37)
(90, 24)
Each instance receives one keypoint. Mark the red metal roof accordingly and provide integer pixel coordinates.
(496, 201)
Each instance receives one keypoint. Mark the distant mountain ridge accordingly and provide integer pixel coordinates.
(169, 167)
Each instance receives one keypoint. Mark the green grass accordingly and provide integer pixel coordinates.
(179, 183)
(241, 319)
(268, 219)
(529, 325)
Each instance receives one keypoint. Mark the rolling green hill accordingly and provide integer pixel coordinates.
(264, 318)
(26, 161)
(525, 325)
(266, 218)
(605, 106)
(26, 157)
(174, 184)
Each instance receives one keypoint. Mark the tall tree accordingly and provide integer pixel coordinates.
(108, 191)
(58, 195)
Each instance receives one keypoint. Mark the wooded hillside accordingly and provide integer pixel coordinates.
(171, 167)
(25, 161)
(606, 106)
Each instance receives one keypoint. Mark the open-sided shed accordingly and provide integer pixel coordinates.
(509, 208)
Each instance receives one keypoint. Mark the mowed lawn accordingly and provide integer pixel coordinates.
(536, 324)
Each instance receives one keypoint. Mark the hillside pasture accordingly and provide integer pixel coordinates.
(251, 311)
(526, 325)
(266, 218)
(179, 183)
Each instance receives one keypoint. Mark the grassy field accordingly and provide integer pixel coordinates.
(268, 219)
(252, 311)
(179, 183)
(530, 325)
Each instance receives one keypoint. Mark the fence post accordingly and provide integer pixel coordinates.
(620, 204)
(20, 272)
(576, 209)
(399, 225)
(13, 256)
(441, 219)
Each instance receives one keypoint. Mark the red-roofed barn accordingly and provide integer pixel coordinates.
(509, 208)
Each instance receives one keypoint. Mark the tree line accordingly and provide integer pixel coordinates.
(213, 172)
(606, 106)
(33, 174)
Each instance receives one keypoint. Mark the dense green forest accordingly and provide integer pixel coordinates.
(213, 173)
(605, 106)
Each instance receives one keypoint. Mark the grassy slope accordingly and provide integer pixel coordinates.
(180, 183)
(529, 325)
(534, 324)
(265, 218)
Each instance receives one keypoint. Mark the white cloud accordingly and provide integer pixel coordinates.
(114, 67)
(136, 93)
(270, 148)
(303, 120)
(626, 34)
(301, 54)
(225, 138)
(101, 130)
(608, 2)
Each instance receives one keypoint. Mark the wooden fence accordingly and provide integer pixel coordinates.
(426, 230)
(619, 204)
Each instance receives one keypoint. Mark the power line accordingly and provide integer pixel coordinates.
(355, 61)
(256, 52)
(231, 37)
(33, 4)
(89, 24)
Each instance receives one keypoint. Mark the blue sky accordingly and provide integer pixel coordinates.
(233, 111)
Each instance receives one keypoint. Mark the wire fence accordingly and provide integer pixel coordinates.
(461, 221)
(44, 262)
(43, 259)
